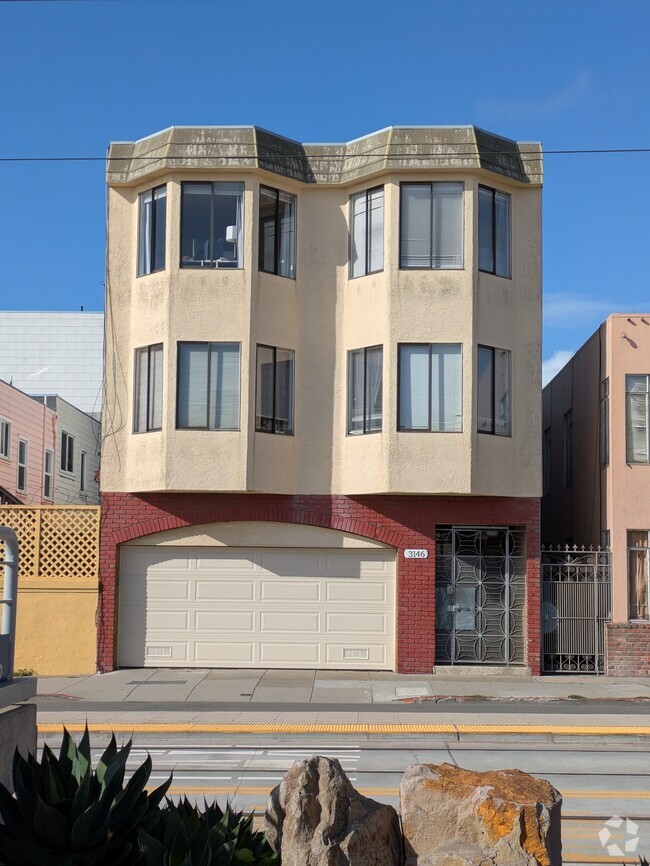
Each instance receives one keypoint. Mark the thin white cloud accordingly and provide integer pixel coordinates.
(38, 372)
(542, 107)
(566, 309)
(554, 364)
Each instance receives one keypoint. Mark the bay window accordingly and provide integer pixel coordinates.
(430, 387)
(277, 232)
(212, 224)
(494, 231)
(274, 390)
(494, 374)
(365, 390)
(431, 225)
(152, 227)
(208, 386)
(367, 232)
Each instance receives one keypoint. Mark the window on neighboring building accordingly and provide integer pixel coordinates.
(546, 461)
(431, 225)
(605, 538)
(212, 224)
(148, 389)
(274, 398)
(151, 237)
(494, 391)
(493, 231)
(430, 387)
(604, 423)
(67, 452)
(636, 416)
(277, 241)
(82, 472)
(568, 448)
(5, 438)
(21, 480)
(208, 386)
(367, 232)
(48, 465)
(365, 390)
(638, 572)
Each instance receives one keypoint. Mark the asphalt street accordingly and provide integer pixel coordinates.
(597, 781)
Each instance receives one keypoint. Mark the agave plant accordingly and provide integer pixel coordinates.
(64, 813)
(187, 836)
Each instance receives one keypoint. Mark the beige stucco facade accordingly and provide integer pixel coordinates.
(611, 498)
(322, 315)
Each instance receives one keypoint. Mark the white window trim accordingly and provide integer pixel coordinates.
(49, 498)
(66, 472)
(25, 464)
(6, 456)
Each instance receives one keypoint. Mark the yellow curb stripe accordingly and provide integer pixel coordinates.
(339, 728)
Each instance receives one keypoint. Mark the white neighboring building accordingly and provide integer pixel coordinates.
(55, 353)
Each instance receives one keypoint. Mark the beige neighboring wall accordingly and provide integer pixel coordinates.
(322, 315)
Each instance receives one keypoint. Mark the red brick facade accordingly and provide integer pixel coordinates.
(628, 649)
(400, 521)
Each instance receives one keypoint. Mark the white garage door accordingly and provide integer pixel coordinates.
(226, 607)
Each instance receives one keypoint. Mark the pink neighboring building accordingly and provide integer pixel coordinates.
(596, 450)
(27, 449)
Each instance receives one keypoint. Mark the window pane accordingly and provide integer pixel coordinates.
(446, 388)
(192, 385)
(82, 472)
(485, 230)
(355, 392)
(637, 427)
(155, 388)
(224, 386)
(376, 239)
(358, 239)
(502, 233)
(265, 388)
(145, 234)
(414, 387)
(638, 573)
(447, 225)
(502, 392)
(284, 391)
(268, 199)
(160, 205)
(140, 408)
(196, 209)
(485, 390)
(228, 247)
(416, 226)
(374, 377)
(287, 221)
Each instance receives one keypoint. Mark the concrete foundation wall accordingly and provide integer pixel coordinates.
(17, 730)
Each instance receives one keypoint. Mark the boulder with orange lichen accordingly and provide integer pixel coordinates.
(457, 817)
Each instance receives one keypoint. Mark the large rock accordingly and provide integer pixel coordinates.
(456, 817)
(316, 818)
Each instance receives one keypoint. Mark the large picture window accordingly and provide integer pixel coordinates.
(151, 235)
(367, 232)
(365, 390)
(430, 387)
(637, 397)
(494, 231)
(212, 224)
(431, 225)
(208, 386)
(274, 398)
(494, 389)
(638, 573)
(148, 392)
(277, 241)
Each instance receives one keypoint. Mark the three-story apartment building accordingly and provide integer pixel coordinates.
(322, 406)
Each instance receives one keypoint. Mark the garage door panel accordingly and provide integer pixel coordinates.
(224, 653)
(163, 621)
(224, 621)
(287, 591)
(135, 561)
(347, 655)
(168, 589)
(159, 653)
(359, 623)
(292, 654)
(132, 620)
(347, 566)
(355, 592)
(225, 589)
(299, 564)
(287, 623)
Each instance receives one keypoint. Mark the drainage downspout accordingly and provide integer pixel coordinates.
(9, 596)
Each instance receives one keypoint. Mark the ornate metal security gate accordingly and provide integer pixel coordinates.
(576, 604)
(480, 595)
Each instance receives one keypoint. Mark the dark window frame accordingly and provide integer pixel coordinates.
(277, 236)
(152, 248)
(604, 423)
(48, 475)
(67, 453)
(24, 466)
(494, 431)
(399, 395)
(208, 343)
(147, 428)
(366, 268)
(494, 272)
(430, 184)
(5, 425)
(366, 431)
(83, 460)
(274, 419)
(211, 261)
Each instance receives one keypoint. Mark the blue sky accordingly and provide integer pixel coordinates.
(76, 75)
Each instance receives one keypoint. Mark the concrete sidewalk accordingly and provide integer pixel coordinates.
(215, 687)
